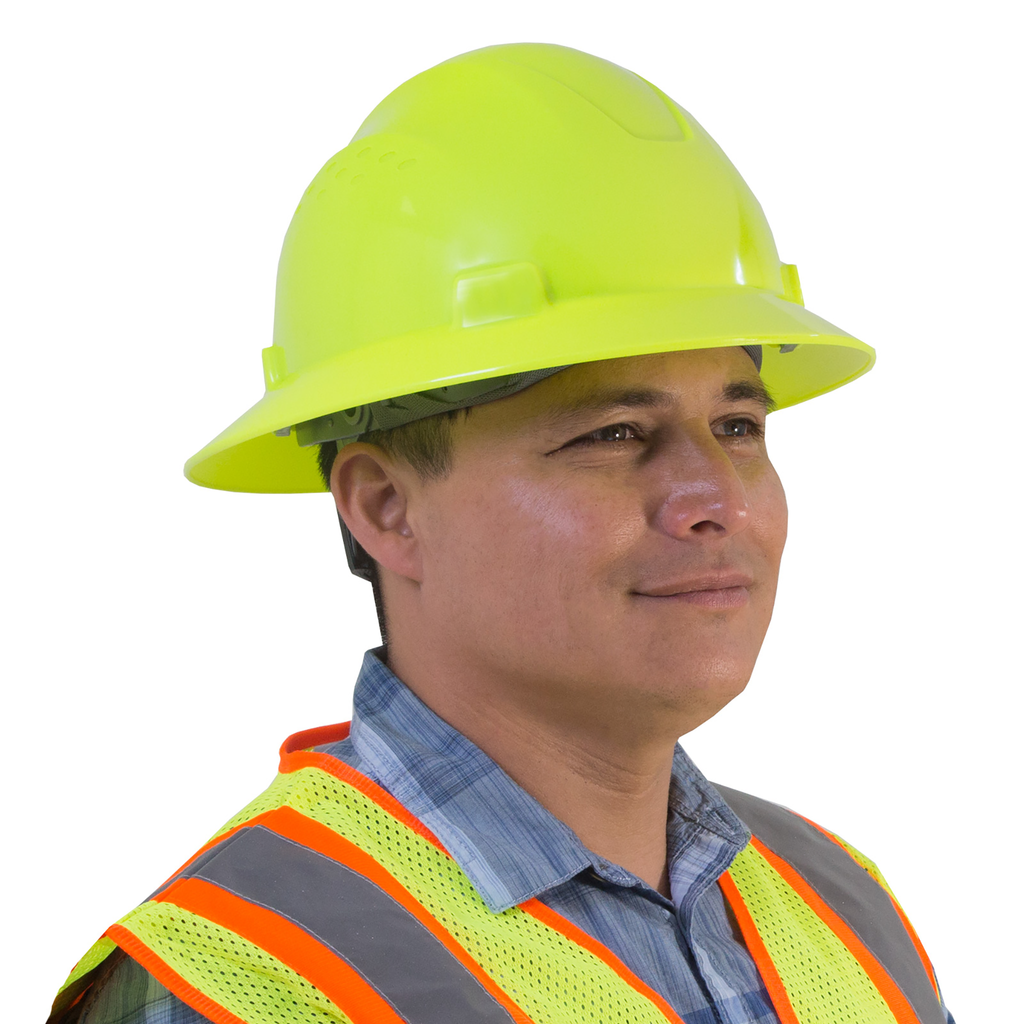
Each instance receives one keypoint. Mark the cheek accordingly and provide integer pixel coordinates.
(579, 529)
(550, 541)
(771, 513)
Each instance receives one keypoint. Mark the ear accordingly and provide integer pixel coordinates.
(371, 493)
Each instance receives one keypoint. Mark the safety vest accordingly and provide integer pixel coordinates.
(325, 900)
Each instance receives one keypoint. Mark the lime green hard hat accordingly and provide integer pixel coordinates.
(515, 208)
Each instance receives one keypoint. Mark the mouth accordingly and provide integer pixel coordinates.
(720, 591)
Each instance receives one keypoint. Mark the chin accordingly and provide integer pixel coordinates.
(697, 662)
(696, 687)
(674, 698)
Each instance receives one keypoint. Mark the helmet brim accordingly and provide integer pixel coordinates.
(250, 456)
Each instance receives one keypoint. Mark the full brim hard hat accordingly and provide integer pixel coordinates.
(516, 208)
(249, 456)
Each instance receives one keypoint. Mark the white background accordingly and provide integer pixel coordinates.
(161, 640)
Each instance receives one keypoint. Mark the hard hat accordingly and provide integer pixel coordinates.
(512, 210)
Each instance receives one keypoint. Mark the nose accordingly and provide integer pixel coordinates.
(703, 494)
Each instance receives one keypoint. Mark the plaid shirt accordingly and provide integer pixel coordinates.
(512, 849)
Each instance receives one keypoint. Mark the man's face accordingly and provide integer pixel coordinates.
(609, 539)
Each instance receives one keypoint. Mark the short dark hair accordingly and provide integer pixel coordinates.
(425, 444)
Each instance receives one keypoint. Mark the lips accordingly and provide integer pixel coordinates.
(704, 583)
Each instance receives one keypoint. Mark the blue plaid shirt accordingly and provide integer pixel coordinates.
(512, 849)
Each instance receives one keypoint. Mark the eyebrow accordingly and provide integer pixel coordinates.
(750, 390)
(606, 399)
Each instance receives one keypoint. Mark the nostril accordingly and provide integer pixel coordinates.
(708, 526)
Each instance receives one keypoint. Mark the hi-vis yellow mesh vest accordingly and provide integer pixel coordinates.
(326, 901)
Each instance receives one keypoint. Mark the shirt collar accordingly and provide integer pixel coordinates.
(509, 846)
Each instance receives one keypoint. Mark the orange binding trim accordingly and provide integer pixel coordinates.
(170, 978)
(316, 737)
(890, 991)
(555, 921)
(757, 949)
(918, 945)
(296, 948)
(81, 995)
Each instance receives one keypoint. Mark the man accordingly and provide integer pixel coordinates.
(530, 323)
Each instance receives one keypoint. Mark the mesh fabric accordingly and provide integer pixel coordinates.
(232, 971)
(97, 953)
(552, 978)
(823, 979)
(872, 869)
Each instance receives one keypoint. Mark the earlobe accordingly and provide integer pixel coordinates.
(371, 495)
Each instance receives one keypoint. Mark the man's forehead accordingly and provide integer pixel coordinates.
(659, 381)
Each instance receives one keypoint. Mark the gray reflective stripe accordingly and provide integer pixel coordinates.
(191, 869)
(357, 920)
(848, 889)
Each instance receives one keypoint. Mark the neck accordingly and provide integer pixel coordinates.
(604, 773)
(614, 799)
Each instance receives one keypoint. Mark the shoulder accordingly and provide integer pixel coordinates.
(823, 858)
(788, 833)
(791, 855)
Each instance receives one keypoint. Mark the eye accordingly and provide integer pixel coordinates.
(615, 433)
(740, 428)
